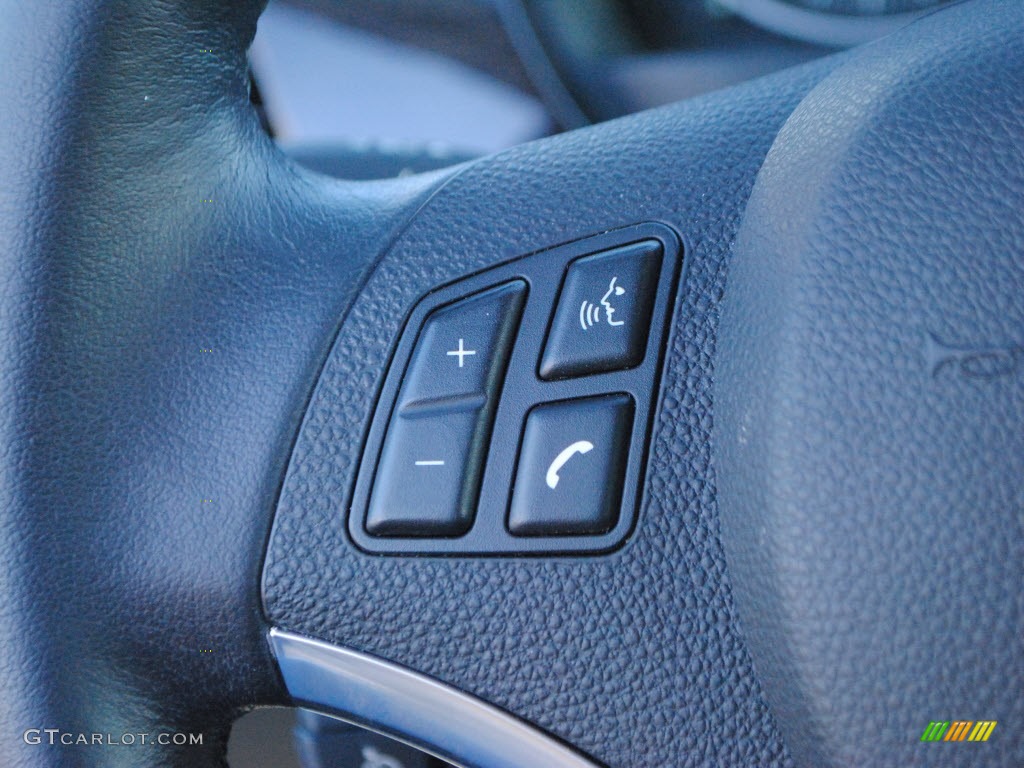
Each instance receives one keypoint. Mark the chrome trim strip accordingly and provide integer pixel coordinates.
(396, 701)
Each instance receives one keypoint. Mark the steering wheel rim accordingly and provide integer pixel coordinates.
(194, 331)
(145, 208)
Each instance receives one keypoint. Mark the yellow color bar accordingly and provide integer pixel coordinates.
(982, 730)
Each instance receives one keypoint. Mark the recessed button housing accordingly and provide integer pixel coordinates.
(604, 312)
(428, 477)
(571, 465)
(514, 417)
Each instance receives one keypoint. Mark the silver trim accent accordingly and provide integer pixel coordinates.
(396, 701)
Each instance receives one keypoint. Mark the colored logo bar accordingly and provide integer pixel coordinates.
(958, 730)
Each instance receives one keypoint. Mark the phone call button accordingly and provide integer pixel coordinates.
(571, 465)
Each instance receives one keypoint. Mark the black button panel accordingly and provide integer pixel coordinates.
(604, 312)
(514, 418)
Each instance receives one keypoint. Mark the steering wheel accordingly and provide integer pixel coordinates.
(823, 547)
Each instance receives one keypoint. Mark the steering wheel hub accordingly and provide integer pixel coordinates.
(871, 397)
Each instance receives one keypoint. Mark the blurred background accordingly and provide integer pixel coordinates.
(372, 89)
(375, 88)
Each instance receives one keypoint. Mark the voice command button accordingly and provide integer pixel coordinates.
(603, 316)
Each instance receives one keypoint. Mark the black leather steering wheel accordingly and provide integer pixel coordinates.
(828, 546)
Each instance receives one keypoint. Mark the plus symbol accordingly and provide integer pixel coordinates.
(461, 352)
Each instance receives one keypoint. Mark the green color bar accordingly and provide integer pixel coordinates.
(935, 730)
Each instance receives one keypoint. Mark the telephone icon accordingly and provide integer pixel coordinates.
(580, 446)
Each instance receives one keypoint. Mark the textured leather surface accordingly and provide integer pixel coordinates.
(168, 289)
(633, 657)
(871, 402)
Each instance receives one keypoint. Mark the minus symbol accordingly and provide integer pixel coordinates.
(429, 463)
